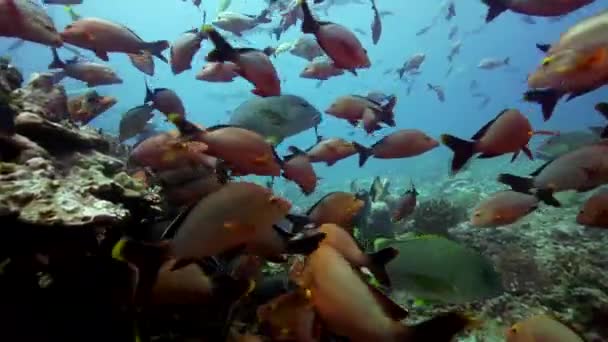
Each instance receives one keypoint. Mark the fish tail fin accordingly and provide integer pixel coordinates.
(495, 8)
(507, 60)
(546, 196)
(441, 328)
(517, 183)
(309, 24)
(305, 245)
(543, 47)
(56, 63)
(401, 71)
(463, 150)
(156, 49)
(223, 50)
(547, 98)
(388, 108)
(378, 261)
(364, 153)
(185, 127)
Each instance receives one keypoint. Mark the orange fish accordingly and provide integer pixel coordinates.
(331, 151)
(338, 207)
(594, 212)
(503, 208)
(400, 144)
(297, 168)
(541, 328)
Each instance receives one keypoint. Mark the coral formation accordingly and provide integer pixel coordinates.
(436, 216)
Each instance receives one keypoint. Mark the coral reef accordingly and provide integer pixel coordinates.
(436, 216)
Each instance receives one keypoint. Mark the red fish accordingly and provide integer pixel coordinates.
(400, 144)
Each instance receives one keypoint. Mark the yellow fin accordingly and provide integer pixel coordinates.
(117, 250)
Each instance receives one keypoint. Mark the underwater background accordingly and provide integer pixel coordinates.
(546, 261)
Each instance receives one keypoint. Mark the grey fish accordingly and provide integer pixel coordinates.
(134, 121)
(421, 269)
(438, 91)
(276, 117)
(376, 24)
(558, 145)
(93, 74)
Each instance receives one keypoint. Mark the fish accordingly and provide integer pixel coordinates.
(239, 215)
(403, 143)
(238, 23)
(168, 151)
(493, 63)
(412, 64)
(352, 108)
(93, 74)
(438, 90)
(165, 101)
(405, 205)
(102, 36)
(576, 66)
(306, 47)
(27, 20)
(541, 328)
(350, 307)
(557, 145)
(453, 32)
(533, 7)
(376, 24)
(218, 72)
(187, 185)
(223, 5)
(298, 168)
(503, 208)
(594, 212)
(143, 62)
(88, 106)
(344, 243)
(582, 170)
(330, 151)
(62, 2)
(253, 65)
(184, 49)
(289, 316)
(420, 268)
(133, 121)
(451, 11)
(509, 132)
(321, 68)
(277, 117)
(338, 42)
(338, 207)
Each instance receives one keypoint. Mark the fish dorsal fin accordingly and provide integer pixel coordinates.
(368, 99)
(540, 169)
(319, 202)
(543, 47)
(484, 129)
(390, 308)
(246, 50)
(217, 127)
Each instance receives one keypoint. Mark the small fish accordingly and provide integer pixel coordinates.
(594, 212)
(218, 72)
(298, 168)
(338, 42)
(168, 151)
(133, 121)
(88, 106)
(331, 151)
(509, 132)
(582, 170)
(403, 143)
(493, 63)
(451, 11)
(503, 208)
(376, 24)
(306, 47)
(223, 5)
(184, 49)
(412, 64)
(254, 65)
(165, 101)
(352, 108)
(27, 20)
(423, 30)
(238, 23)
(406, 205)
(438, 91)
(340, 208)
(102, 36)
(541, 328)
(62, 2)
(453, 32)
(93, 74)
(321, 68)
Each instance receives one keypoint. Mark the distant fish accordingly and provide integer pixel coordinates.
(423, 30)
(453, 32)
(493, 63)
(376, 24)
(306, 47)
(238, 23)
(403, 143)
(218, 72)
(412, 64)
(93, 74)
(62, 2)
(183, 50)
(564, 142)
(406, 204)
(321, 68)
(451, 11)
(438, 91)
(88, 106)
(143, 62)
(503, 208)
(165, 101)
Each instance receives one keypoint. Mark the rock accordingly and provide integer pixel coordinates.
(43, 97)
(19, 149)
(56, 138)
(10, 77)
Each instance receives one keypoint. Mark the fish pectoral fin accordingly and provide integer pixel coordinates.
(527, 152)
(103, 55)
(598, 57)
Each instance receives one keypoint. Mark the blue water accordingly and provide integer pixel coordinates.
(209, 103)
